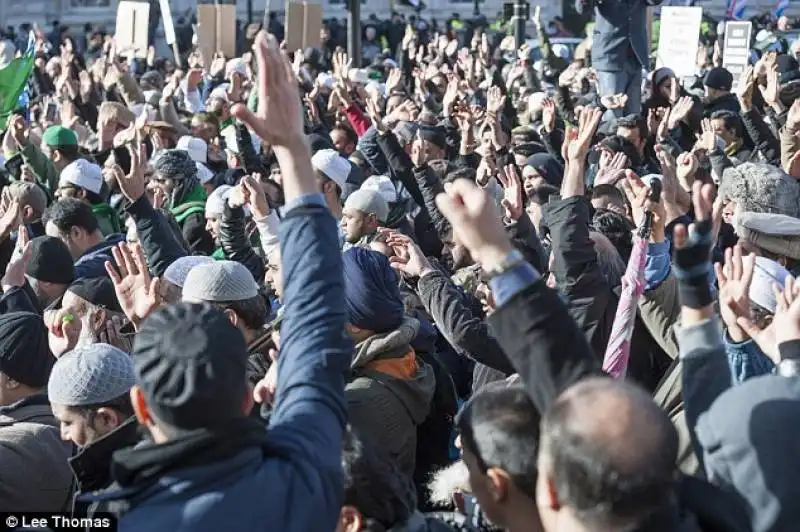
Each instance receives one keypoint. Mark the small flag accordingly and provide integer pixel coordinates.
(780, 7)
(13, 78)
(737, 9)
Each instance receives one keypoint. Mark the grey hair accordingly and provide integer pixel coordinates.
(757, 187)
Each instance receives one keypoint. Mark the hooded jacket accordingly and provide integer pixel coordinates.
(390, 392)
(93, 261)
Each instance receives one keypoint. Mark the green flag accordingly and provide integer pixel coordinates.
(13, 78)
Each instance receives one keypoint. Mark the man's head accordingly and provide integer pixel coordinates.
(608, 197)
(82, 180)
(758, 188)
(332, 170)
(273, 273)
(230, 287)
(171, 167)
(772, 236)
(372, 296)
(51, 269)
(89, 390)
(32, 199)
(175, 276)
(499, 430)
(727, 125)
(60, 145)
(633, 128)
(344, 139)
(205, 126)
(363, 212)
(540, 169)
(114, 117)
(215, 208)
(616, 143)
(73, 222)
(607, 457)
(93, 302)
(25, 358)
(432, 142)
(374, 490)
(190, 364)
(717, 83)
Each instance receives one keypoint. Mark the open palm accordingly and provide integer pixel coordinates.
(137, 292)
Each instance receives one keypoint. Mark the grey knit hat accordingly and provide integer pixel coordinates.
(177, 271)
(91, 375)
(174, 164)
(761, 188)
(222, 280)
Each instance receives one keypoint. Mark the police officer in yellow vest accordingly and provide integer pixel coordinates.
(176, 175)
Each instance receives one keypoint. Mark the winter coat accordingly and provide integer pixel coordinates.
(33, 458)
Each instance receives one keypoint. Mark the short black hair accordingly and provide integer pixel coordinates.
(121, 404)
(373, 484)
(634, 122)
(253, 312)
(616, 144)
(70, 212)
(461, 173)
(608, 190)
(731, 120)
(351, 134)
(500, 427)
(602, 480)
(69, 151)
(617, 228)
(529, 148)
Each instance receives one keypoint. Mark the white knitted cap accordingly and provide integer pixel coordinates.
(90, 375)
(222, 280)
(177, 271)
(81, 173)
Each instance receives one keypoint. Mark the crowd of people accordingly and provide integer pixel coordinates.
(443, 289)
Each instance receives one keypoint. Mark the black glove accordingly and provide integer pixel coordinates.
(691, 265)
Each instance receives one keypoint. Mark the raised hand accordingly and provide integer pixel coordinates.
(680, 111)
(15, 270)
(549, 114)
(409, 258)
(63, 333)
(256, 198)
(476, 222)
(138, 293)
(745, 88)
(734, 280)
(394, 80)
(707, 140)
(772, 91)
(279, 118)
(133, 184)
(785, 325)
(687, 166)
(11, 218)
(494, 101)
(611, 168)
(578, 149)
(512, 192)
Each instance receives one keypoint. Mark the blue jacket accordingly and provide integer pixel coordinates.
(93, 262)
(296, 484)
(620, 32)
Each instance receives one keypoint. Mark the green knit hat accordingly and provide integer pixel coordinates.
(59, 136)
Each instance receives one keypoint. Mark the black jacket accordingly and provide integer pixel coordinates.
(729, 102)
(236, 245)
(156, 237)
(592, 302)
(194, 231)
(92, 464)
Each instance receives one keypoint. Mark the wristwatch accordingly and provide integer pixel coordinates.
(513, 259)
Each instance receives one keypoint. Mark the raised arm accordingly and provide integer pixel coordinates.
(309, 412)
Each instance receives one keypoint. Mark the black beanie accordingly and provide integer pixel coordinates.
(51, 261)
(191, 364)
(24, 352)
(719, 78)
